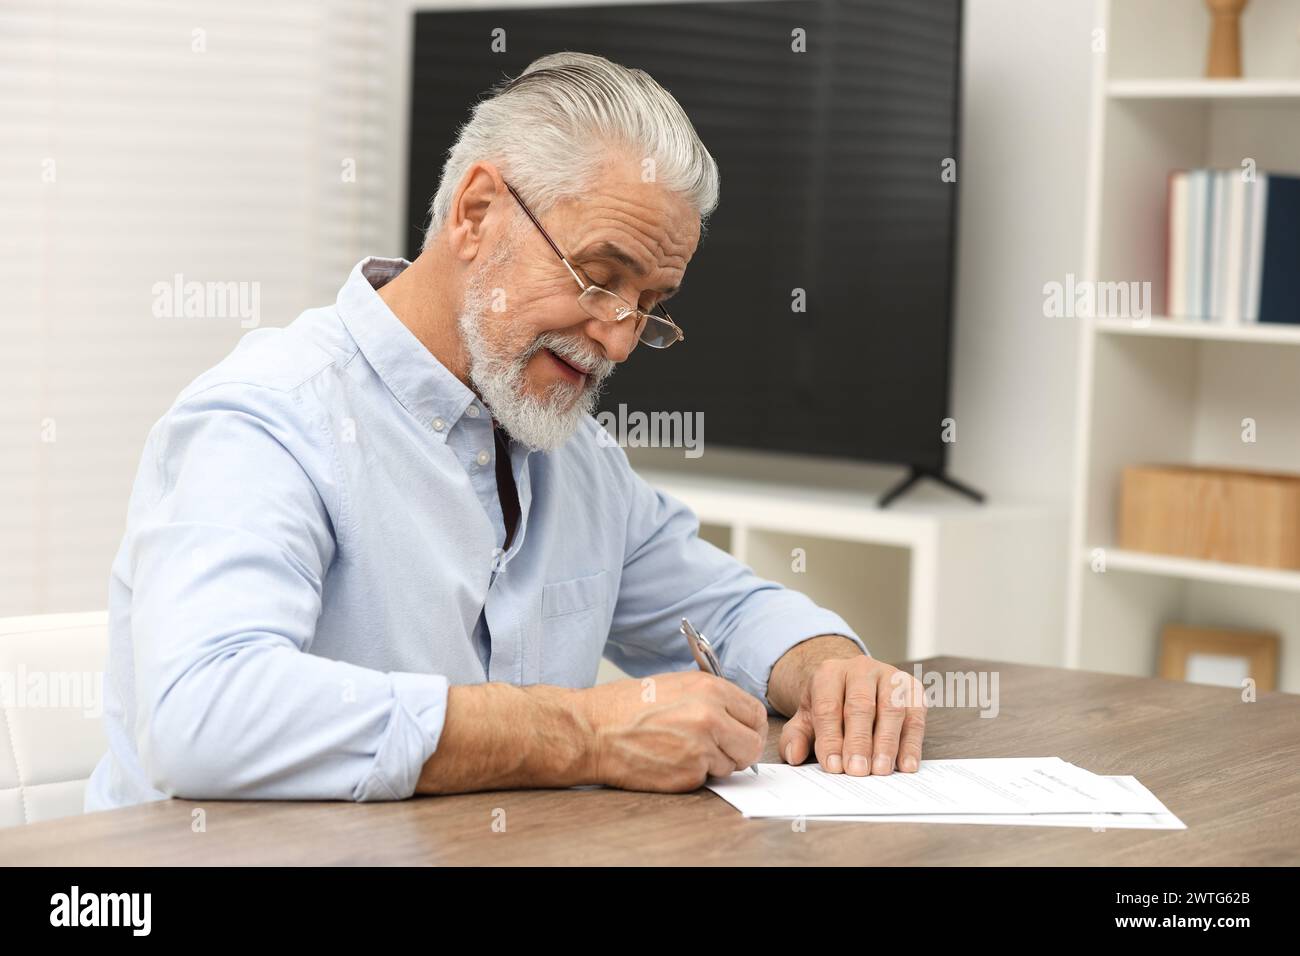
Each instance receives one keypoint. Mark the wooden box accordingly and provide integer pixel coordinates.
(1214, 514)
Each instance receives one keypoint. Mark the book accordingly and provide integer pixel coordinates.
(1279, 285)
(1254, 243)
(1228, 302)
(1176, 276)
(1233, 247)
(1197, 197)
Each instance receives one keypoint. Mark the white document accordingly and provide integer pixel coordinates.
(1100, 821)
(1015, 785)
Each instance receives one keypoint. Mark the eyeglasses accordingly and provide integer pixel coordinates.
(655, 328)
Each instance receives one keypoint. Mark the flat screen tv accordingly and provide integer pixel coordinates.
(817, 310)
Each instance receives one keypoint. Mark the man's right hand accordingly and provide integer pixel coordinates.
(668, 733)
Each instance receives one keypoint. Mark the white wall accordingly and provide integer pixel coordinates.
(1026, 98)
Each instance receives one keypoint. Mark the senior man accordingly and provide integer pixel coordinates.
(382, 551)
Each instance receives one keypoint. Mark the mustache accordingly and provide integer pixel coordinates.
(568, 348)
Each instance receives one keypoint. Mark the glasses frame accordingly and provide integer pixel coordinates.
(657, 313)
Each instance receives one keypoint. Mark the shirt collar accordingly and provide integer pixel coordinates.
(424, 386)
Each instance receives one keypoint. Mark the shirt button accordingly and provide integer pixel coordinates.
(472, 411)
(439, 424)
(483, 457)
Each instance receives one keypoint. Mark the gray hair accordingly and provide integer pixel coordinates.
(551, 128)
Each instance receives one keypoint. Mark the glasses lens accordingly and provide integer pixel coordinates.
(602, 304)
(658, 334)
(655, 331)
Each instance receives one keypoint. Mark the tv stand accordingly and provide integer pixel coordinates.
(915, 580)
(916, 473)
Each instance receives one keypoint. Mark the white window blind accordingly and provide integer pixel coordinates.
(245, 146)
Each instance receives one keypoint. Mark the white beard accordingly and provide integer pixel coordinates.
(543, 422)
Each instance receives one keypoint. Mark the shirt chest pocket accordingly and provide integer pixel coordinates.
(575, 627)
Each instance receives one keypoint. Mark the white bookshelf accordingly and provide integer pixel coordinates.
(1164, 565)
(1206, 331)
(1162, 390)
(1194, 89)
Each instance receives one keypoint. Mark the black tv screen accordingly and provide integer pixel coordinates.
(832, 161)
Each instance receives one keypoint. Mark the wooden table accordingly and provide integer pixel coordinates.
(1229, 770)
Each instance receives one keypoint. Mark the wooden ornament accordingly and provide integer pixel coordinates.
(1224, 61)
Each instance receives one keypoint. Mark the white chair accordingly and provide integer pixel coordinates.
(51, 707)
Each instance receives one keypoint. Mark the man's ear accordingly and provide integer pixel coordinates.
(468, 220)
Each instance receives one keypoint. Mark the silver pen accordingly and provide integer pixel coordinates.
(704, 656)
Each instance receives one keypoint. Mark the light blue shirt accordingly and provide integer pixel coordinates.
(313, 537)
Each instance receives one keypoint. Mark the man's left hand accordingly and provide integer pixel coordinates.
(858, 715)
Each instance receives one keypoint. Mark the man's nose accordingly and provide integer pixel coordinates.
(618, 339)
